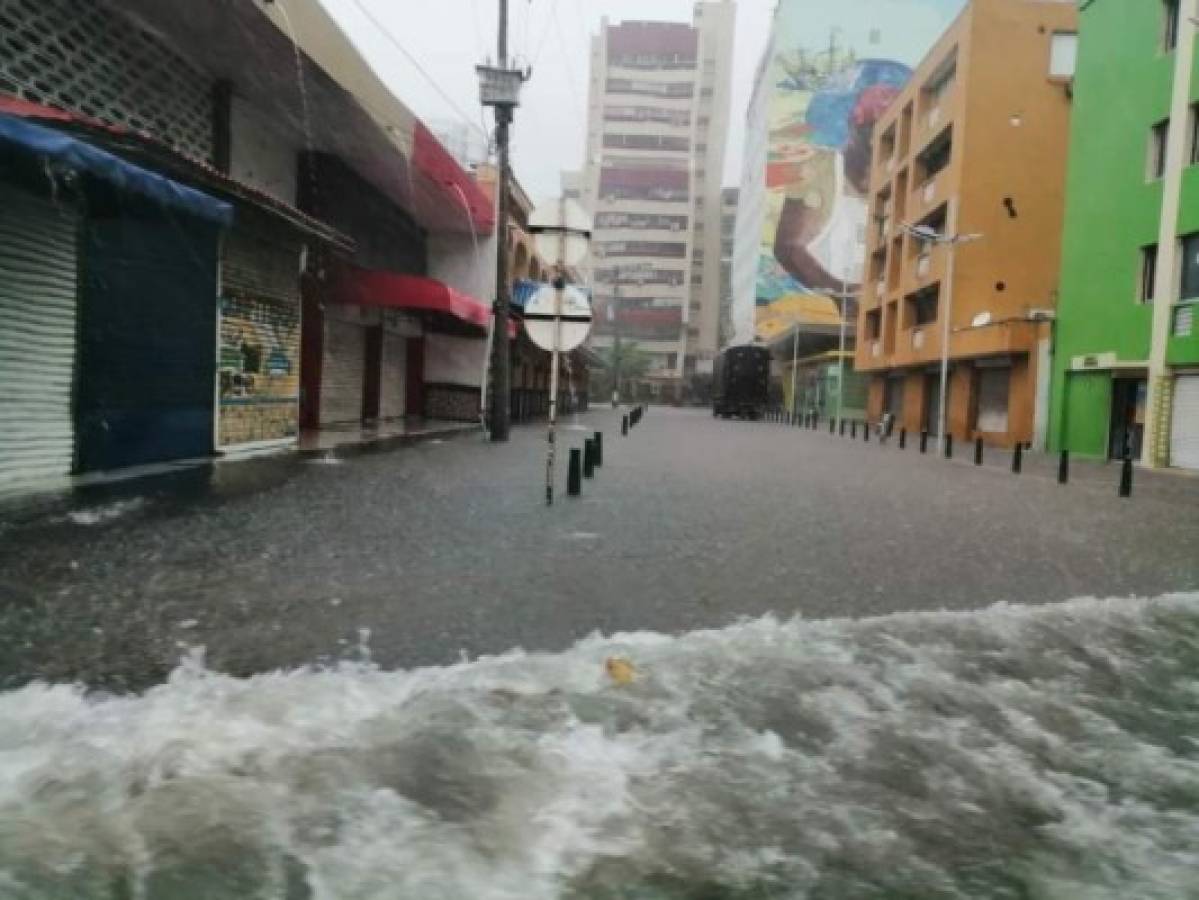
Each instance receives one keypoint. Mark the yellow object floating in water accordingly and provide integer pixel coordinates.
(620, 670)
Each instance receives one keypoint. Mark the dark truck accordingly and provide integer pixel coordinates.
(741, 382)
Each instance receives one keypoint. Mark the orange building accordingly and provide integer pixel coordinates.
(974, 147)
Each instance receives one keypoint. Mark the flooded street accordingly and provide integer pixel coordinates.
(1043, 752)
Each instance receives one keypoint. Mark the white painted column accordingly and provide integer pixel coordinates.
(1166, 285)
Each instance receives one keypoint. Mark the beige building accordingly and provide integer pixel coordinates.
(657, 120)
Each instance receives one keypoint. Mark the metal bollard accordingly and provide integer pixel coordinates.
(588, 459)
(1018, 458)
(574, 474)
(853, 428)
(948, 445)
(866, 432)
(923, 441)
(1063, 467)
(624, 426)
(832, 425)
(815, 421)
(598, 441)
(1126, 476)
(978, 451)
(841, 428)
(903, 438)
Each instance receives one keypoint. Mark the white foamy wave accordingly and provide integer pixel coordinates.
(95, 515)
(1044, 752)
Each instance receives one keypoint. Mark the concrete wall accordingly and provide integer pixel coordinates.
(260, 156)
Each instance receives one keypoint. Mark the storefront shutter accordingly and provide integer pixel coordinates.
(38, 289)
(342, 372)
(993, 400)
(391, 386)
(1184, 423)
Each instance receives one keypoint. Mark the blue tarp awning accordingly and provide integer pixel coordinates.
(64, 152)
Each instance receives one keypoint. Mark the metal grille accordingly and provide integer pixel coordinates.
(80, 56)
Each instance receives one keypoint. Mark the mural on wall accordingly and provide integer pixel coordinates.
(259, 369)
(834, 70)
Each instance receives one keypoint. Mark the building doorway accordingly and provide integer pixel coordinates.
(1127, 418)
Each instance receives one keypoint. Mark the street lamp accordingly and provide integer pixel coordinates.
(930, 235)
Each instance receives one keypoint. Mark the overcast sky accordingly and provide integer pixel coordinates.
(448, 37)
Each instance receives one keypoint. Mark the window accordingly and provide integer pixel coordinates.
(1169, 25)
(922, 306)
(874, 323)
(1063, 53)
(1193, 135)
(1158, 135)
(1189, 286)
(1148, 273)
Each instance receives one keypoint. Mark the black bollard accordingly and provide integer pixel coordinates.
(598, 442)
(832, 425)
(948, 445)
(866, 432)
(1018, 458)
(624, 426)
(588, 458)
(978, 451)
(574, 473)
(923, 441)
(1063, 468)
(1126, 476)
(815, 421)
(903, 438)
(853, 428)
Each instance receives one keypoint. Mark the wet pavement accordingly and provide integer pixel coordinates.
(426, 553)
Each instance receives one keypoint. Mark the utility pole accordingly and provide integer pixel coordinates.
(500, 88)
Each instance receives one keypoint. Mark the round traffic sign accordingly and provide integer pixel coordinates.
(568, 318)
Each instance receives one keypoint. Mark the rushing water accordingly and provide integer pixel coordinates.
(1023, 752)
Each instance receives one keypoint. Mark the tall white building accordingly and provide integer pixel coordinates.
(657, 121)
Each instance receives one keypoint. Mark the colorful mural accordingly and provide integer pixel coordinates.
(259, 370)
(834, 69)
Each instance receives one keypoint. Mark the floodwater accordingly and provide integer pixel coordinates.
(1017, 752)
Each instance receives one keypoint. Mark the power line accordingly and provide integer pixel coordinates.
(391, 39)
(570, 81)
(545, 30)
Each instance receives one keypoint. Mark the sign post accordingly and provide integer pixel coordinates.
(558, 317)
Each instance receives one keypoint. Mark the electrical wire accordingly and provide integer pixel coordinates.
(394, 41)
(570, 81)
(545, 30)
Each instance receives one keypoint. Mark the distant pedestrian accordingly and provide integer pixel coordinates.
(885, 423)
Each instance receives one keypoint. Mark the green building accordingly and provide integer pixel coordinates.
(1126, 359)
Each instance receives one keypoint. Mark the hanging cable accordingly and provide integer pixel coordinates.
(391, 39)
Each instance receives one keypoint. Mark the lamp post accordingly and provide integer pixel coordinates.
(930, 236)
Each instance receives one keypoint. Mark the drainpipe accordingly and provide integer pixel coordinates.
(1157, 433)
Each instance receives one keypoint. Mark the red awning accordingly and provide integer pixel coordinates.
(380, 288)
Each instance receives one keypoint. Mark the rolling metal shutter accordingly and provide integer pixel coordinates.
(1184, 423)
(343, 366)
(391, 386)
(993, 385)
(38, 289)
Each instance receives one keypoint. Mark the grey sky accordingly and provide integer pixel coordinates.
(447, 38)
